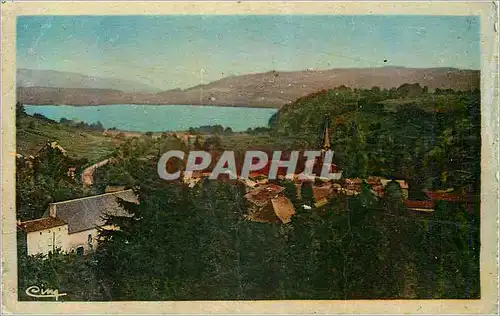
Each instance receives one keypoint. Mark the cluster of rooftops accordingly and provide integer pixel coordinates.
(267, 200)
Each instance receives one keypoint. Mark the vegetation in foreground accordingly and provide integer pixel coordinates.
(193, 244)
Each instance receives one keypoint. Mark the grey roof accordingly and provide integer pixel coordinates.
(88, 213)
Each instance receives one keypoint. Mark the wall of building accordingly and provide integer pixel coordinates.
(81, 239)
(47, 240)
(43, 241)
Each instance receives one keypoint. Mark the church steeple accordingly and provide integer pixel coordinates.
(326, 139)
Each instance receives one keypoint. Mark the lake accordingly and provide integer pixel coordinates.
(157, 118)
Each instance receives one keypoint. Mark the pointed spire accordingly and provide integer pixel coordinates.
(326, 138)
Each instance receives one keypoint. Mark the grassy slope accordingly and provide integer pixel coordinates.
(33, 133)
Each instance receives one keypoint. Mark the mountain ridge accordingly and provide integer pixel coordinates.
(267, 89)
(64, 79)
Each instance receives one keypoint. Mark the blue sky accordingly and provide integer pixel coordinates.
(180, 51)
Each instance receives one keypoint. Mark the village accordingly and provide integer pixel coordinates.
(73, 226)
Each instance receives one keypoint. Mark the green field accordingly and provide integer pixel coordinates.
(33, 133)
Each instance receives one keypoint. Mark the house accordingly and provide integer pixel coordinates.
(258, 178)
(419, 206)
(454, 196)
(249, 184)
(114, 188)
(43, 235)
(268, 204)
(352, 186)
(71, 172)
(322, 194)
(73, 225)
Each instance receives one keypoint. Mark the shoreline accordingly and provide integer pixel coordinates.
(166, 104)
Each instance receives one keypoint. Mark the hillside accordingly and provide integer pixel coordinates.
(61, 79)
(80, 96)
(432, 140)
(32, 133)
(270, 89)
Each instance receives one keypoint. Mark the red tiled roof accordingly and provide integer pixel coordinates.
(419, 204)
(353, 180)
(378, 189)
(374, 181)
(263, 194)
(41, 224)
(446, 196)
(322, 193)
(285, 156)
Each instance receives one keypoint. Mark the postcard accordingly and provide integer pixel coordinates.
(250, 157)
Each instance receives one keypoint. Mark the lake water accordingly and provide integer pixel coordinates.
(157, 118)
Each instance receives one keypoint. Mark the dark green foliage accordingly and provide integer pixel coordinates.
(83, 125)
(44, 179)
(258, 130)
(68, 273)
(290, 191)
(20, 111)
(210, 129)
(430, 139)
(393, 200)
(212, 143)
(306, 194)
(193, 244)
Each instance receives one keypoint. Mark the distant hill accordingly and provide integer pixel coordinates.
(61, 79)
(270, 89)
(78, 96)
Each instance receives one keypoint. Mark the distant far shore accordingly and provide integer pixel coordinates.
(263, 106)
(272, 89)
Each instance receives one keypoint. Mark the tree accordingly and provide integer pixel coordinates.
(44, 180)
(20, 111)
(212, 143)
(409, 90)
(366, 198)
(197, 143)
(393, 200)
(74, 275)
(306, 194)
(291, 192)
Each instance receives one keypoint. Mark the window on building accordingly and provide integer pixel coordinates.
(79, 251)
